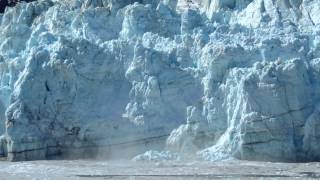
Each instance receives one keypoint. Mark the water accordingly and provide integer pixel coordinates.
(90, 169)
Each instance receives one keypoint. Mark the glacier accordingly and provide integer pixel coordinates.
(207, 79)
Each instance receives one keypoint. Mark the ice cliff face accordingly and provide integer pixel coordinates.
(215, 79)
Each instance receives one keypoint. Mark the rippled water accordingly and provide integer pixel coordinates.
(90, 169)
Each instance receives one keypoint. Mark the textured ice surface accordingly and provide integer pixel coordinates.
(211, 80)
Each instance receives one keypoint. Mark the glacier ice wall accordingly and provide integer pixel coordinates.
(215, 79)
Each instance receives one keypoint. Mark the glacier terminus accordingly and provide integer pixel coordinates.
(204, 79)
